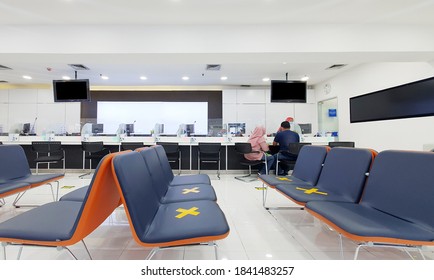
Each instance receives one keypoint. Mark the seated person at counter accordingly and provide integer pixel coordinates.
(294, 126)
(259, 144)
(283, 138)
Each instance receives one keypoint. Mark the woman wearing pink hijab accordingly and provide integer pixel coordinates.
(260, 146)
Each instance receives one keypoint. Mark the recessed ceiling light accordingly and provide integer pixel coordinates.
(66, 78)
(305, 78)
(266, 79)
(104, 77)
(27, 77)
(185, 78)
(143, 78)
(224, 78)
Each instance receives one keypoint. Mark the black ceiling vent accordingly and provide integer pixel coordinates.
(213, 67)
(78, 67)
(2, 67)
(336, 66)
(3, 82)
(245, 85)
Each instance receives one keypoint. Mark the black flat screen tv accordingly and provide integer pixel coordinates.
(410, 100)
(71, 90)
(288, 91)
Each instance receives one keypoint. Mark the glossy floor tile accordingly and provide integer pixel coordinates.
(256, 234)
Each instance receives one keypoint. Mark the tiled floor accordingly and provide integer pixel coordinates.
(256, 234)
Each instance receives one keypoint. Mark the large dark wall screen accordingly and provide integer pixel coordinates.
(411, 100)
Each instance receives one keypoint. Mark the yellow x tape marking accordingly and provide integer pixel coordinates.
(185, 212)
(284, 179)
(310, 191)
(192, 190)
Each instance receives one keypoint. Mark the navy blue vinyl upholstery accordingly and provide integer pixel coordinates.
(342, 177)
(11, 186)
(397, 201)
(76, 195)
(178, 180)
(306, 170)
(49, 222)
(64, 223)
(160, 182)
(154, 222)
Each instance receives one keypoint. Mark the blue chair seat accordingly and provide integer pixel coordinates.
(166, 228)
(49, 222)
(365, 221)
(189, 193)
(76, 195)
(190, 179)
(38, 179)
(273, 180)
(302, 193)
(12, 186)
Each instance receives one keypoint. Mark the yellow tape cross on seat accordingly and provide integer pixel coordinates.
(284, 179)
(310, 191)
(184, 212)
(192, 190)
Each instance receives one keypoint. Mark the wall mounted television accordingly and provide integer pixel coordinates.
(71, 90)
(284, 91)
(410, 100)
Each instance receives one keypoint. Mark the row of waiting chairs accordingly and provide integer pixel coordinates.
(163, 210)
(16, 177)
(376, 200)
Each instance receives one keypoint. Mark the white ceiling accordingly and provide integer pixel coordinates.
(167, 39)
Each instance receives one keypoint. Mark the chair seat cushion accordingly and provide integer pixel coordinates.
(52, 158)
(206, 221)
(190, 179)
(76, 195)
(273, 180)
(361, 220)
(49, 222)
(36, 179)
(11, 186)
(189, 193)
(305, 192)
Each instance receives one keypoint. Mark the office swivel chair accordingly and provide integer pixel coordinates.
(342, 144)
(246, 148)
(92, 151)
(209, 153)
(48, 152)
(173, 153)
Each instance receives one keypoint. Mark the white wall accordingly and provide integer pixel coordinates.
(253, 107)
(405, 134)
(18, 106)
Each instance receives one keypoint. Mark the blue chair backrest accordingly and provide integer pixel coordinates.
(309, 163)
(13, 163)
(164, 162)
(344, 172)
(141, 201)
(401, 183)
(159, 180)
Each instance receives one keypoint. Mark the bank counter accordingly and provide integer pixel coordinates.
(187, 145)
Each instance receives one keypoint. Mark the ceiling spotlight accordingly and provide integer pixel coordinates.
(266, 79)
(185, 78)
(103, 77)
(27, 77)
(143, 78)
(305, 78)
(66, 78)
(224, 78)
